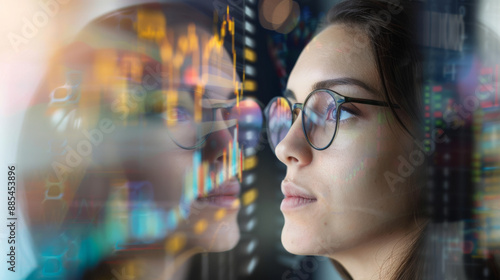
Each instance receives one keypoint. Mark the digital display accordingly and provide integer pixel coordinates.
(250, 139)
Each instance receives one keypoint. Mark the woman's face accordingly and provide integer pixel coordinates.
(136, 164)
(349, 201)
(211, 224)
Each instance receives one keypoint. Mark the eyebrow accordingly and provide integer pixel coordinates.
(344, 81)
(216, 92)
(335, 82)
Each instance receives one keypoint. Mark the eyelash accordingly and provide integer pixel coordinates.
(344, 109)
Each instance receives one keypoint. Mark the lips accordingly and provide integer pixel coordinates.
(295, 197)
(224, 196)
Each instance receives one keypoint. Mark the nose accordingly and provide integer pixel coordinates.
(294, 150)
(219, 139)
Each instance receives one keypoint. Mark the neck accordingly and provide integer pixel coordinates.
(172, 269)
(153, 266)
(379, 258)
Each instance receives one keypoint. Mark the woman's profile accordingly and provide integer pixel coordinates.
(350, 114)
(133, 148)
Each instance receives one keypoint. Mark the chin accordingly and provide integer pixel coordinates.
(226, 240)
(219, 236)
(298, 240)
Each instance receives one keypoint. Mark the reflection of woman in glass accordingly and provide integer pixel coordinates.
(353, 96)
(135, 153)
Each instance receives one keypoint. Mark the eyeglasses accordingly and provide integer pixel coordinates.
(189, 125)
(320, 116)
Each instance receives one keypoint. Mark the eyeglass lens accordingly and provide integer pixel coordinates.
(188, 119)
(319, 119)
(279, 117)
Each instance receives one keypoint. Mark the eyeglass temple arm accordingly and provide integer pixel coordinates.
(371, 102)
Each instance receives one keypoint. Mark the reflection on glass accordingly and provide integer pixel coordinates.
(134, 147)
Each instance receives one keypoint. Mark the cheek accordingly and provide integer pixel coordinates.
(167, 176)
(357, 165)
(211, 230)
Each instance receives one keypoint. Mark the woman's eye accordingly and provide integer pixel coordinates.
(179, 114)
(331, 114)
(229, 113)
(345, 114)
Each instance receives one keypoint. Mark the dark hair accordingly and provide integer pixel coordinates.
(388, 25)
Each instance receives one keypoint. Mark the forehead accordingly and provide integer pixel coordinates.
(338, 51)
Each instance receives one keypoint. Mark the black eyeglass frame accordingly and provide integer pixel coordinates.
(203, 139)
(339, 99)
(214, 107)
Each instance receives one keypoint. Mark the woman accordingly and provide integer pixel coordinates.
(357, 85)
(120, 171)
